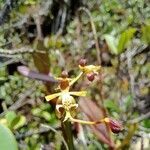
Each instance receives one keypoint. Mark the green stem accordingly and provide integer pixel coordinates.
(67, 133)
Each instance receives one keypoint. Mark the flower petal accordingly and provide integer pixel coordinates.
(75, 79)
(52, 96)
(80, 93)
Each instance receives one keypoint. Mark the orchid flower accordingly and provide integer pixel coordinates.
(66, 105)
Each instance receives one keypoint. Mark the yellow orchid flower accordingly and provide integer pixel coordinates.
(64, 85)
(65, 97)
(66, 106)
(90, 69)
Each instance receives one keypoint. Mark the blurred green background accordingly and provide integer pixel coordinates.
(45, 37)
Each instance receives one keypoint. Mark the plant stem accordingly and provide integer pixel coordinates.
(67, 133)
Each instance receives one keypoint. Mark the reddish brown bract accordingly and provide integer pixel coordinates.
(82, 62)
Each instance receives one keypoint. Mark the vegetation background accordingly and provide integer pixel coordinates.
(40, 38)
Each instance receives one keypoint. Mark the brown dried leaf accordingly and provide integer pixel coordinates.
(25, 71)
(94, 113)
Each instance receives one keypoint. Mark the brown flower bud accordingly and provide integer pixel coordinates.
(115, 126)
(90, 76)
(64, 74)
(82, 62)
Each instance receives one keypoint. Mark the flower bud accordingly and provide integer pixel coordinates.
(82, 62)
(114, 125)
(64, 74)
(90, 76)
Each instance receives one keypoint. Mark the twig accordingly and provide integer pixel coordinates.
(142, 117)
(11, 56)
(44, 10)
(143, 134)
(141, 128)
(21, 101)
(63, 20)
(43, 129)
(37, 19)
(129, 56)
(17, 51)
(78, 32)
(55, 131)
(143, 83)
(133, 52)
(8, 62)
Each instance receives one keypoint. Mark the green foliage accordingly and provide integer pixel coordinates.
(7, 139)
(145, 34)
(125, 38)
(44, 112)
(110, 104)
(118, 45)
(146, 123)
(128, 103)
(112, 43)
(52, 42)
(31, 2)
(3, 74)
(13, 121)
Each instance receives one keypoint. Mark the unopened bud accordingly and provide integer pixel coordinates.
(114, 125)
(82, 62)
(64, 74)
(90, 76)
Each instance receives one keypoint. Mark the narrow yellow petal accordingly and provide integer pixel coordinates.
(52, 96)
(80, 93)
(75, 79)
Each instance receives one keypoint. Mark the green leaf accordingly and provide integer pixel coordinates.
(146, 34)
(14, 121)
(7, 139)
(10, 116)
(112, 43)
(46, 115)
(18, 122)
(111, 105)
(146, 123)
(125, 38)
(128, 102)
